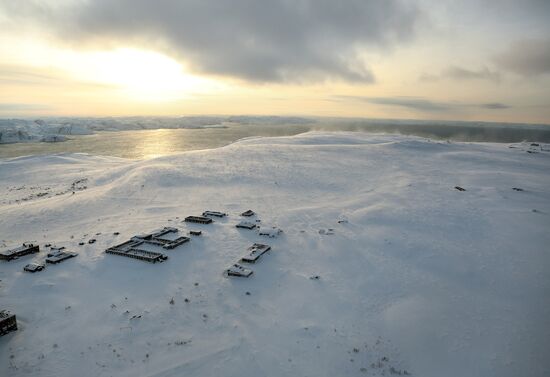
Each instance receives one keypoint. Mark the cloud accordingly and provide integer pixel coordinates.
(494, 106)
(265, 41)
(428, 77)
(416, 103)
(46, 77)
(22, 107)
(461, 74)
(526, 57)
(419, 103)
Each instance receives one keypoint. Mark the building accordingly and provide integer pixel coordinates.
(214, 213)
(198, 219)
(239, 271)
(8, 322)
(255, 252)
(142, 246)
(24, 249)
(246, 225)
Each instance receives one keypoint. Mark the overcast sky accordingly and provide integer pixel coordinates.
(464, 60)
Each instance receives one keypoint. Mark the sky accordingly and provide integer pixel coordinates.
(483, 60)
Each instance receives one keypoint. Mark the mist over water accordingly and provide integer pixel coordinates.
(447, 130)
(138, 144)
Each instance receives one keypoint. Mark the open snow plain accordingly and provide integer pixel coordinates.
(418, 279)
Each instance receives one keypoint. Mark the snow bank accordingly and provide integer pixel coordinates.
(420, 277)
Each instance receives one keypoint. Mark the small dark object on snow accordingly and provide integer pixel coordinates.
(48, 245)
(92, 240)
(8, 322)
(172, 301)
(98, 234)
(460, 188)
(195, 232)
(81, 243)
(196, 284)
(116, 233)
(24, 249)
(517, 189)
(248, 213)
(535, 145)
(198, 219)
(316, 277)
(247, 293)
(532, 152)
(214, 213)
(186, 300)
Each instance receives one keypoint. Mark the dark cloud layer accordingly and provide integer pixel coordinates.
(265, 41)
(417, 103)
(459, 73)
(420, 103)
(527, 57)
(462, 74)
(494, 106)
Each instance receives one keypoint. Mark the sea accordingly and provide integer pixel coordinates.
(150, 143)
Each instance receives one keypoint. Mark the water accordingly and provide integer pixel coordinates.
(140, 144)
(149, 143)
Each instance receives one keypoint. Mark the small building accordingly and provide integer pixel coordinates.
(195, 232)
(8, 322)
(214, 213)
(270, 232)
(24, 249)
(58, 256)
(255, 252)
(166, 237)
(248, 213)
(238, 271)
(198, 219)
(34, 267)
(246, 225)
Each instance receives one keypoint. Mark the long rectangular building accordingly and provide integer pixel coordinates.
(24, 249)
(198, 219)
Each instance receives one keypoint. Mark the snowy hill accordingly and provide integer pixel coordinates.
(383, 268)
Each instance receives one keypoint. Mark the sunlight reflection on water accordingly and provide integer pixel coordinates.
(148, 143)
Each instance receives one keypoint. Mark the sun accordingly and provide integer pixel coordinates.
(142, 75)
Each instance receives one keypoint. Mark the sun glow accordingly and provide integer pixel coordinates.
(142, 75)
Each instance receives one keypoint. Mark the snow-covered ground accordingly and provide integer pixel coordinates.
(382, 267)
